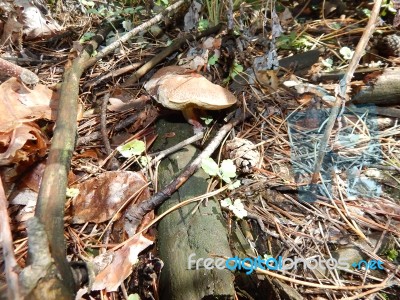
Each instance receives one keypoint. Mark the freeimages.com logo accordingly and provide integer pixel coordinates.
(279, 264)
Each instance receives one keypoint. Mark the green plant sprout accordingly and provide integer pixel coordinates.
(207, 120)
(226, 172)
(86, 37)
(236, 207)
(212, 60)
(203, 25)
(235, 70)
(214, 9)
(392, 254)
(162, 3)
(346, 53)
(292, 41)
(132, 148)
(328, 64)
(387, 6)
(72, 192)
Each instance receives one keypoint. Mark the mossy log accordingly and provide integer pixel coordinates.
(192, 229)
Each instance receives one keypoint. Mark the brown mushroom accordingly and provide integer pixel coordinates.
(180, 89)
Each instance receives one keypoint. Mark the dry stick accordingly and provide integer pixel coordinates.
(166, 52)
(103, 123)
(11, 265)
(160, 197)
(160, 155)
(340, 90)
(10, 69)
(114, 73)
(175, 207)
(229, 12)
(51, 200)
(110, 48)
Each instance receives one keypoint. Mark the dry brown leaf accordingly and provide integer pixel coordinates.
(122, 101)
(36, 24)
(12, 31)
(101, 197)
(34, 177)
(24, 144)
(120, 268)
(19, 104)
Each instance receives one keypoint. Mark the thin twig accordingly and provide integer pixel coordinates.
(103, 123)
(110, 48)
(160, 155)
(176, 44)
(157, 199)
(175, 207)
(340, 89)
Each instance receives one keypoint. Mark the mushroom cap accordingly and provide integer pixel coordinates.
(175, 88)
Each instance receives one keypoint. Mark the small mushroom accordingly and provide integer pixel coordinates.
(180, 89)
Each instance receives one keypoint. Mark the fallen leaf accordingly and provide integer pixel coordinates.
(26, 143)
(120, 268)
(100, 198)
(19, 104)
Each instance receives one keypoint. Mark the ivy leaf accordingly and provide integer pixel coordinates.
(210, 166)
(134, 147)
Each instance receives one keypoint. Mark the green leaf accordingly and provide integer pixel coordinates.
(392, 254)
(228, 169)
(327, 62)
(207, 120)
(134, 297)
(238, 209)
(72, 192)
(144, 160)
(134, 147)
(203, 25)
(87, 3)
(346, 52)
(127, 25)
(227, 202)
(213, 60)
(226, 179)
(210, 166)
(234, 185)
(236, 69)
(86, 37)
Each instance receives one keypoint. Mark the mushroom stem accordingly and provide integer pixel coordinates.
(191, 115)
